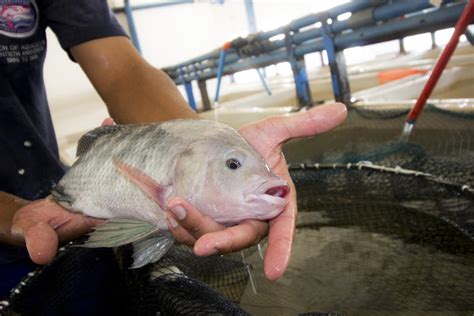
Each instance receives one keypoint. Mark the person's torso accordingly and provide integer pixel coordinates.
(29, 163)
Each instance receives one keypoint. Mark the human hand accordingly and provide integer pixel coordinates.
(42, 224)
(267, 136)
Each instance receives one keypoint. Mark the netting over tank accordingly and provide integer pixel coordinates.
(383, 228)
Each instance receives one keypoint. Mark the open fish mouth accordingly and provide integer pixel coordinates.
(272, 191)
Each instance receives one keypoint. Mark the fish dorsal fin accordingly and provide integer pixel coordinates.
(88, 139)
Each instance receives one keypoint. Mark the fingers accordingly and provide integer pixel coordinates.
(280, 240)
(74, 226)
(186, 223)
(108, 121)
(41, 243)
(269, 133)
(189, 226)
(43, 224)
(231, 239)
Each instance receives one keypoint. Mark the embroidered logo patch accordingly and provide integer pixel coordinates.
(18, 18)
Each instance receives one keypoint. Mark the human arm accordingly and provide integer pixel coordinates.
(134, 92)
(132, 89)
(9, 205)
(39, 225)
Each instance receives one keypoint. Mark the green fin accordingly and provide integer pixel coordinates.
(151, 249)
(118, 232)
(88, 139)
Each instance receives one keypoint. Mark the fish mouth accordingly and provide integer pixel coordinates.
(272, 191)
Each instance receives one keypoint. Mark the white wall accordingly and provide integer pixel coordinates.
(173, 34)
(169, 35)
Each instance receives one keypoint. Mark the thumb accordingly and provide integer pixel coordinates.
(279, 129)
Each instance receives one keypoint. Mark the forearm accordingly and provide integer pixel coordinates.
(133, 90)
(146, 95)
(9, 204)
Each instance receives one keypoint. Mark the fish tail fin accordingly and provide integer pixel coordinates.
(151, 249)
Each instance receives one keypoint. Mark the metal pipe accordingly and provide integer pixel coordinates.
(219, 74)
(469, 36)
(416, 24)
(189, 92)
(460, 28)
(131, 25)
(251, 20)
(294, 25)
(379, 13)
(153, 5)
(252, 26)
(264, 81)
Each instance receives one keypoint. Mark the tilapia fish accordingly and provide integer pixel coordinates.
(126, 174)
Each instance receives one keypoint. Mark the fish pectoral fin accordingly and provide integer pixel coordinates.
(118, 232)
(151, 249)
(61, 197)
(146, 183)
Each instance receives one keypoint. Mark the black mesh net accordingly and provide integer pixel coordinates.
(385, 228)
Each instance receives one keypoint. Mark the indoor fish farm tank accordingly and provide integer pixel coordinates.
(384, 228)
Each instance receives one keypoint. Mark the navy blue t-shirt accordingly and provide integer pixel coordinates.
(29, 160)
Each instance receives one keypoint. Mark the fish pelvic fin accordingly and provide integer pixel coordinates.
(146, 183)
(118, 232)
(151, 249)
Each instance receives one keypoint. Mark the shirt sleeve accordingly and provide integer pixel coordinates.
(78, 21)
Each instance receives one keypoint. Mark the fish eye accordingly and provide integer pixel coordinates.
(233, 163)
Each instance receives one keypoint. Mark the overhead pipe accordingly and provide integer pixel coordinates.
(152, 5)
(369, 16)
(294, 25)
(131, 25)
(416, 24)
(220, 70)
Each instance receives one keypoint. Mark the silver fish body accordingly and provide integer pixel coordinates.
(126, 173)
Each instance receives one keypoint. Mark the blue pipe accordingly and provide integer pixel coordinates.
(264, 81)
(427, 22)
(301, 81)
(189, 92)
(131, 25)
(294, 25)
(251, 20)
(331, 53)
(220, 70)
(416, 24)
(379, 13)
(160, 4)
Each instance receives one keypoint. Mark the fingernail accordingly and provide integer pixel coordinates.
(179, 212)
(172, 222)
(205, 250)
(17, 232)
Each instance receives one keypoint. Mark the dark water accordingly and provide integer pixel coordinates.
(377, 243)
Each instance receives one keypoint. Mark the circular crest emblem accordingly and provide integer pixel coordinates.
(18, 18)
